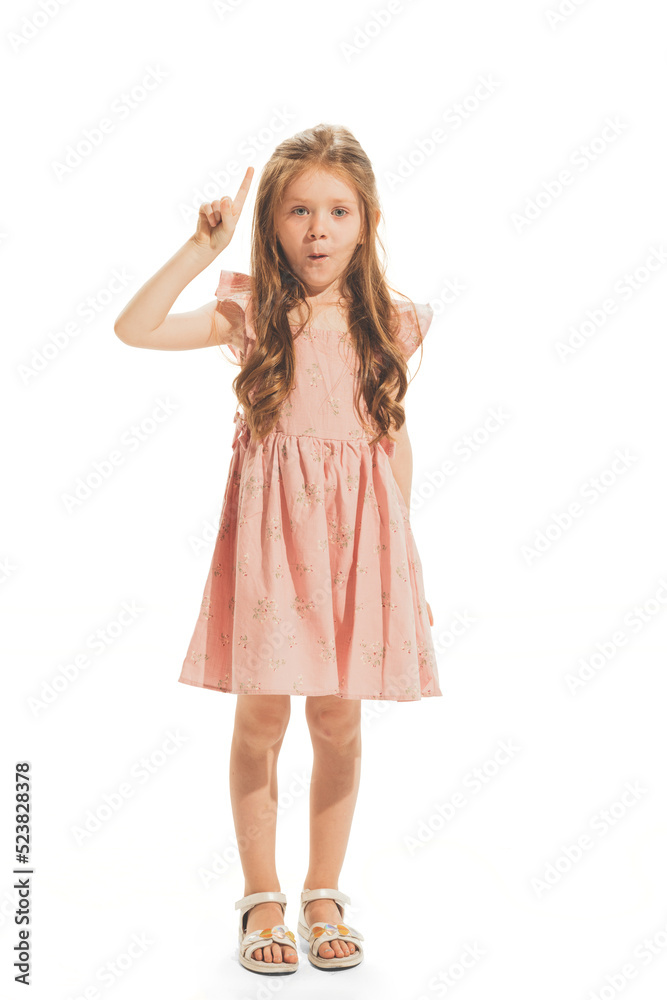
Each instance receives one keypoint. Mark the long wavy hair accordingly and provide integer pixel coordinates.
(267, 374)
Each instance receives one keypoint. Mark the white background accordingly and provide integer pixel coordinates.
(473, 884)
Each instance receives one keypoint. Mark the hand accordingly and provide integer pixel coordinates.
(430, 614)
(217, 220)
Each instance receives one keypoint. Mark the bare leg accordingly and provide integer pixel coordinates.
(335, 730)
(259, 728)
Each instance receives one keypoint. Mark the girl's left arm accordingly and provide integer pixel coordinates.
(401, 466)
(401, 463)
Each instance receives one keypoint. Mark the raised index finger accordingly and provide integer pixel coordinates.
(242, 192)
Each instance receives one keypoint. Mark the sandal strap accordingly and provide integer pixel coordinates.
(331, 932)
(247, 902)
(335, 894)
(320, 932)
(280, 934)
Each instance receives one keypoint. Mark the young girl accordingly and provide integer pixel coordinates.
(315, 586)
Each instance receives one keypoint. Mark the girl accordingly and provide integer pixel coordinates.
(315, 586)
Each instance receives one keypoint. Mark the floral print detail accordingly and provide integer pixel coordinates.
(315, 584)
(315, 374)
(266, 610)
(424, 656)
(309, 493)
(198, 657)
(340, 533)
(369, 498)
(273, 528)
(301, 605)
(328, 648)
(372, 653)
(254, 486)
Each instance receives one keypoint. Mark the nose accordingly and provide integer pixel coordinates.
(317, 229)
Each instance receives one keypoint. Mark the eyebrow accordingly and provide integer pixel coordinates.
(337, 201)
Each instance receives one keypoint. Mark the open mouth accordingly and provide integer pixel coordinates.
(317, 256)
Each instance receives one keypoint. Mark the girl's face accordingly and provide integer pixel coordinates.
(319, 214)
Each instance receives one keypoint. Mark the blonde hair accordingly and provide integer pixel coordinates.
(267, 375)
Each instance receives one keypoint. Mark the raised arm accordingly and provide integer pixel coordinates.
(146, 321)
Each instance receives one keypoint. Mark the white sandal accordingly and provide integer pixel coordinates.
(319, 932)
(251, 941)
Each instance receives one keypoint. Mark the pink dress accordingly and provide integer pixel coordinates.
(315, 585)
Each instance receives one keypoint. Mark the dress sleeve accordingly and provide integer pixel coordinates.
(233, 294)
(408, 335)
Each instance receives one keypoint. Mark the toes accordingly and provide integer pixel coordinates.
(272, 953)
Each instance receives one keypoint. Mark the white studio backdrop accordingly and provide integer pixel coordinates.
(510, 835)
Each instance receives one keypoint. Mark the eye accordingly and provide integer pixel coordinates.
(302, 209)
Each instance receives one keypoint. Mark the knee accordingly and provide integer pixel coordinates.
(261, 724)
(339, 724)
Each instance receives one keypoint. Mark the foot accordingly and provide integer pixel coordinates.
(268, 915)
(327, 910)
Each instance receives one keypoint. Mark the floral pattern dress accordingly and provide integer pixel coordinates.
(315, 585)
